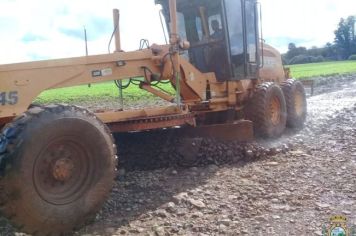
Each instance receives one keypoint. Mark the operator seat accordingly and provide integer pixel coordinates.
(217, 58)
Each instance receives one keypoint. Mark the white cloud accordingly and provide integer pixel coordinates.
(311, 22)
(47, 19)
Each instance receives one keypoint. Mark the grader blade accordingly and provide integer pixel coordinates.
(241, 131)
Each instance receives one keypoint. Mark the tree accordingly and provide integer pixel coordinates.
(315, 51)
(330, 51)
(345, 38)
(291, 46)
(294, 51)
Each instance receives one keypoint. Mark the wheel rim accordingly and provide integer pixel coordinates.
(62, 171)
(275, 111)
(299, 103)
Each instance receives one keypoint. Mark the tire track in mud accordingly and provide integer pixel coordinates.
(310, 178)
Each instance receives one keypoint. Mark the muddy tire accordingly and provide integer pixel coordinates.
(59, 169)
(296, 101)
(267, 110)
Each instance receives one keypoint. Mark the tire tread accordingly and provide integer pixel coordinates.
(14, 135)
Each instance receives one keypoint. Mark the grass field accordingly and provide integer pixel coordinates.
(324, 68)
(108, 91)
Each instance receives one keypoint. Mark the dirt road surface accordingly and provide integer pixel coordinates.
(289, 186)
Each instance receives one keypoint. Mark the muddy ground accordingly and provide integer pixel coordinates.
(289, 186)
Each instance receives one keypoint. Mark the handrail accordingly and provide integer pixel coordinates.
(262, 63)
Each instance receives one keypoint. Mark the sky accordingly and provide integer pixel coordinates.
(48, 29)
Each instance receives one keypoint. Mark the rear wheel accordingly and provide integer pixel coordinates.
(267, 110)
(59, 168)
(296, 101)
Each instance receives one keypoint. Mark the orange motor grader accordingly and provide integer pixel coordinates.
(57, 162)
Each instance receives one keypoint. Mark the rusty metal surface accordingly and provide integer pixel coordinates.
(63, 169)
(238, 131)
(5, 120)
(153, 123)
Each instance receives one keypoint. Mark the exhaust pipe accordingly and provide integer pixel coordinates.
(116, 14)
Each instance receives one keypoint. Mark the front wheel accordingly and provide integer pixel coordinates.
(59, 168)
(267, 110)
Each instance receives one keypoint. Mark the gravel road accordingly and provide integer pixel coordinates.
(288, 186)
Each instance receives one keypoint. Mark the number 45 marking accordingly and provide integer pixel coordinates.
(9, 98)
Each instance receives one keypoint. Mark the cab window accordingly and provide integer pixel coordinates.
(251, 31)
(199, 28)
(182, 32)
(236, 37)
(181, 26)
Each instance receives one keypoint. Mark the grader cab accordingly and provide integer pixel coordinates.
(57, 162)
(215, 31)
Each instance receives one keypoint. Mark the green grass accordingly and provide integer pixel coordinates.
(324, 68)
(104, 91)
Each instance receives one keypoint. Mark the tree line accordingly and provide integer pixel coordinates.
(343, 47)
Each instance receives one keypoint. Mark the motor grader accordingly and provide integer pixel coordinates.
(58, 161)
